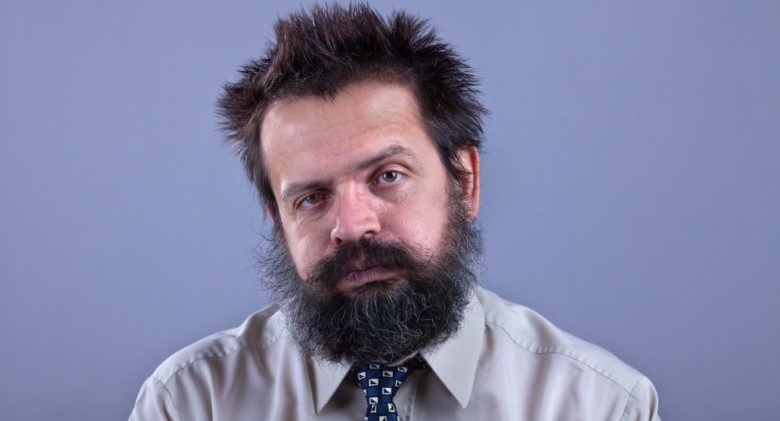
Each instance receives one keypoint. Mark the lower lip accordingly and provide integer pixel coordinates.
(362, 277)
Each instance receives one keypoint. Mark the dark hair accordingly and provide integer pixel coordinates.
(320, 51)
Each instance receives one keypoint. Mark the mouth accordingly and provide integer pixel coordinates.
(358, 277)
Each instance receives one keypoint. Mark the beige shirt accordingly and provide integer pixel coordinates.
(506, 363)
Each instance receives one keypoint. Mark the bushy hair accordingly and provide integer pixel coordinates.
(320, 51)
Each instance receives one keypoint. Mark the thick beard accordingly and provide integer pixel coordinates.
(379, 322)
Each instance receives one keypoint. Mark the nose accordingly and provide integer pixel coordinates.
(355, 217)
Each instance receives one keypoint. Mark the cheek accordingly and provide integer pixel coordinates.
(303, 250)
(421, 221)
(300, 260)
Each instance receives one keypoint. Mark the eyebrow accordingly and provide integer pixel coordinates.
(390, 151)
(301, 186)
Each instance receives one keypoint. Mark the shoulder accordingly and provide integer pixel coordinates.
(259, 331)
(205, 377)
(558, 357)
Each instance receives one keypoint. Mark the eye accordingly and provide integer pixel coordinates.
(389, 177)
(311, 200)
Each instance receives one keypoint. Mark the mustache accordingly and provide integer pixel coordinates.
(363, 254)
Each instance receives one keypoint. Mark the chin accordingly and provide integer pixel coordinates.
(379, 289)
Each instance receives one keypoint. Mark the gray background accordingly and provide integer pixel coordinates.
(630, 188)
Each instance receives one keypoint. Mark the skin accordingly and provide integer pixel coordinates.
(358, 165)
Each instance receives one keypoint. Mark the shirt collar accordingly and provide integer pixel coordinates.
(454, 362)
(326, 378)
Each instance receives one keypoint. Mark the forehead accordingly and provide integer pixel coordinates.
(313, 136)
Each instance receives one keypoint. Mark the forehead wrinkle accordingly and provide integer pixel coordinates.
(398, 112)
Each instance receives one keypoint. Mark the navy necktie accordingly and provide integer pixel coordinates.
(379, 383)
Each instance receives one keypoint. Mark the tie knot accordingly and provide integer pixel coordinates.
(380, 382)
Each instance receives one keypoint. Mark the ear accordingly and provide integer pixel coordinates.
(469, 160)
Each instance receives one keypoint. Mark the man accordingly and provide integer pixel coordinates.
(362, 137)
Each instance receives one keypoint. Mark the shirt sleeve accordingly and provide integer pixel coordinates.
(154, 402)
(642, 404)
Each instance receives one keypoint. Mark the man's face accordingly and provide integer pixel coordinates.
(358, 166)
(374, 251)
